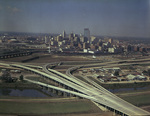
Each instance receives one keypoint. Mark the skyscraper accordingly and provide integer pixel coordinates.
(47, 40)
(87, 34)
(64, 34)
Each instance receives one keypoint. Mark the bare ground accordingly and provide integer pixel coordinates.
(46, 58)
(147, 108)
(95, 110)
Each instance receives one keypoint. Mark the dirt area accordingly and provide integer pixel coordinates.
(91, 109)
(140, 98)
(90, 114)
(147, 108)
(46, 58)
(83, 114)
(133, 93)
(57, 58)
(45, 100)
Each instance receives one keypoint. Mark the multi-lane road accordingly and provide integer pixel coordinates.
(75, 86)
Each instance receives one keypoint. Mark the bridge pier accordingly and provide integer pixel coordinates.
(61, 85)
(66, 87)
(56, 91)
(65, 94)
(50, 80)
(62, 93)
(41, 86)
(74, 96)
(118, 113)
(52, 90)
(68, 94)
(71, 95)
(45, 88)
(49, 89)
(59, 93)
(56, 83)
(106, 108)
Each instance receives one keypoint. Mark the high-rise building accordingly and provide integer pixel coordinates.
(59, 38)
(87, 34)
(47, 40)
(71, 36)
(110, 40)
(64, 34)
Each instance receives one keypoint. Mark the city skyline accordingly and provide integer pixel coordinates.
(102, 17)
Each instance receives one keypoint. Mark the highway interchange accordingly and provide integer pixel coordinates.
(75, 86)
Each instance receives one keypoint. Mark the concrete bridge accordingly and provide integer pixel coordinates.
(73, 86)
(12, 55)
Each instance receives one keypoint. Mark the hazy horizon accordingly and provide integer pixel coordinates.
(121, 18)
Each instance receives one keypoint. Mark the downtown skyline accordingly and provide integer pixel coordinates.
(130, 18)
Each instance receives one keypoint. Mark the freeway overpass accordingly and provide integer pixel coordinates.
(101, 90)
(92, 92)
(74, 86)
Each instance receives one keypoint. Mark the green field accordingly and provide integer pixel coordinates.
(138, 100)
(41, 107)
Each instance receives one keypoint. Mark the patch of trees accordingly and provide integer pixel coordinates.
(116, 73)
(146, 72)
(21, 78)
(6, 77)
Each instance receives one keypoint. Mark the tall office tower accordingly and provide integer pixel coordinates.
(64, 34)
(47, 40)
(71, 36)
(49, 50)
(110, 40)
(87, 34)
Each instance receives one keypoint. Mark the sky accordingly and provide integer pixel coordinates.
(129, 18)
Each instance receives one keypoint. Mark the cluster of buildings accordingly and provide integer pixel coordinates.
(113, 75)
(135, 48)
(70, 43)
(74, 43)
(82, 43)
